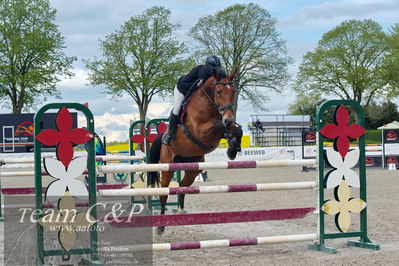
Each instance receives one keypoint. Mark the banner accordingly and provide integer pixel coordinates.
(374, 161)
(391, 136)
(308, 137)
(392, 149)
(309, 152)
(254, 154)
(392, 160)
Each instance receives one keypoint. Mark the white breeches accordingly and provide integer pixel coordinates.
(178, 100)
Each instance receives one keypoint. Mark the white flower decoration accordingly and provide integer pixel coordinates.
(66, 178)
(343, 168)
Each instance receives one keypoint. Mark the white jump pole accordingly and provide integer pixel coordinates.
(203, 166)
(206, 189)
(19, 173)
(103, 158)
(211, 243)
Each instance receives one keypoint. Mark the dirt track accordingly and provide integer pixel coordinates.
(383, 223)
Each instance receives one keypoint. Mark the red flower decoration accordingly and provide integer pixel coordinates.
(139, 138)
(64, 136)
(161, 128)
(341, 131)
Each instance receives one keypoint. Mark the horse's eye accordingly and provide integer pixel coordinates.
(218, 92)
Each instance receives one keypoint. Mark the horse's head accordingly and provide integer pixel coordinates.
(224, 92)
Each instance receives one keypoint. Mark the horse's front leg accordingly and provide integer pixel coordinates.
(188, 180)
(234, 136)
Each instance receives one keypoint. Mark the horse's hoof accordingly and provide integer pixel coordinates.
(180, 211)
(232, 154)
(160, 230)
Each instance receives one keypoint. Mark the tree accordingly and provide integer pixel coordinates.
(372, 114)
(349, 63)
(305, 104)
(378, 115)
(142, 59)
(392, 61)
(390, 112)
(245, 38)
(32, 60)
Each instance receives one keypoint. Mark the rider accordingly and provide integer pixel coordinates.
(186, 85)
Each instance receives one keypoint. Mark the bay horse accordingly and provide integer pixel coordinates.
(209, 117)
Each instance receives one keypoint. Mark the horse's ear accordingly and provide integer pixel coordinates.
(219, 73)
(233, 74)
(214, 73)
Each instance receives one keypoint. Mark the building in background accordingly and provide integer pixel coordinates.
(278, 130)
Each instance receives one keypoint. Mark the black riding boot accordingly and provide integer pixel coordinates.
(168, 136)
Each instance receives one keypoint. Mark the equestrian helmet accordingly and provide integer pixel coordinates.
(213, 61)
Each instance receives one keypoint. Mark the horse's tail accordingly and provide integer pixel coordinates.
(155, 156)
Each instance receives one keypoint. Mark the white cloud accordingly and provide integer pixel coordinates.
(329, 13)
(78, 81)
(104, 120)
(297, 49)
(350, 9)
(83, 37)
(156, 110)
(115, 127)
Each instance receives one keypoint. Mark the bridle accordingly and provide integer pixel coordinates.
(218, 107)
(226, 133)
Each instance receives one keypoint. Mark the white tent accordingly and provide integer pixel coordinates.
(392, 125)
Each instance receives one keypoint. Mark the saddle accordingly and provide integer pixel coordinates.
(187, 98)
(182, 115)
(183, 108)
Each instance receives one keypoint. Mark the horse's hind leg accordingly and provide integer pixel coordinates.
(165, 180)
(188, 180)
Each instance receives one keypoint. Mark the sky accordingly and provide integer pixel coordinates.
(301, 24)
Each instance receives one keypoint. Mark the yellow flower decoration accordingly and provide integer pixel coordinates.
(343, 206)
(67, 220)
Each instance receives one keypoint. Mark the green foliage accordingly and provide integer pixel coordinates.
(246, 39)
(373, 136)
(392, 62)
(305, 104)
(32, 60)
(378, 115)
(350, 62)
(142, 58)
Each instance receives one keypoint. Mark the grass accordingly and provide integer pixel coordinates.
(373, 136)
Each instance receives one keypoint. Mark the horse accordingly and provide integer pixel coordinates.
(208, 118)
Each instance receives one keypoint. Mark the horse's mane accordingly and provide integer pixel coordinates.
(218, 75)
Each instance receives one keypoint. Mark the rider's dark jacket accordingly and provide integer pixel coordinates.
(197, 73)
